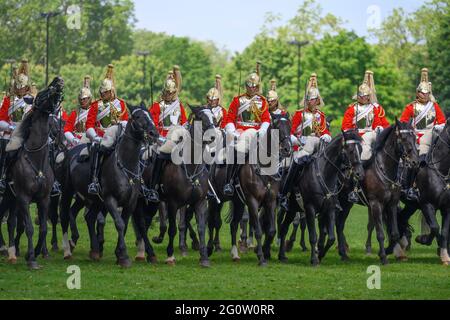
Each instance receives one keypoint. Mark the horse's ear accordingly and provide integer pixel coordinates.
(130, 108)
(142, 106)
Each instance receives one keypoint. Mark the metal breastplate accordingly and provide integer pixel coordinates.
(367, 121)
(171, 119)
(18, 114)
(80, 126)
(428, 120)
(308, 130)
(252, 113)
(112, 118)
(218, 115)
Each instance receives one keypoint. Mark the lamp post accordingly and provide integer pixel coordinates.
(299, 45)
(48, 16)
(144, 69)
(11, 63)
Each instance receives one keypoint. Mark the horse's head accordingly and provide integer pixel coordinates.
(142, 125)
(206, 117)
(352, 148)
(282, 123)
(49, 99)
(406, 143)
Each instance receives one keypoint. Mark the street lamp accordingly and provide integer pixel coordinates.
(48, 16)
(299, 45)
(11, 62)
(144, 66)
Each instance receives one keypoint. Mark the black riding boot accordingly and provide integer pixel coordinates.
(412, 192)
(294, 169)
(153, 195)
(228, 189)
(94, 186)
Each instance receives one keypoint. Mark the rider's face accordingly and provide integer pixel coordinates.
(273, 104)
(84, 103)
(107, 95)
(213, 103)
(423, 96)
(251, 91)
(363, 100)
(313, 103)
(22, 91)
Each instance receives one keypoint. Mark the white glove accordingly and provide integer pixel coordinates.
(230, 128)
(294, 140)
(439, 127)
(263, 129)
(97, 139)
(326, 138)
(303, 140)
(124, 123)
(75, 141)
(11, 127)
(379, 129)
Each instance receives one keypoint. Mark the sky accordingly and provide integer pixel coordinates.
(232, 24)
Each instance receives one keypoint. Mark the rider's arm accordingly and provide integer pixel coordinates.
(408, 113)
(440, 117)
(183, 117)
(347, 121)
(90, 122)
(230, 119)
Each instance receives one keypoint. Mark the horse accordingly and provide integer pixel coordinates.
(182, 185)
(31, 175)
(380, 186)
(120, 178)
(434, 185)
(260, 191)
(317, 184)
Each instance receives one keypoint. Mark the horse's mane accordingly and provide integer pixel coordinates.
(24, 129)
(382, 137)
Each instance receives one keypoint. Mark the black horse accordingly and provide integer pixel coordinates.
(182, 185)
(433, 182)
(120, 179)
(31, 174)
(317, 184)
(381, 187)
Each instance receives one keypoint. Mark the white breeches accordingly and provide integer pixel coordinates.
(368, 139)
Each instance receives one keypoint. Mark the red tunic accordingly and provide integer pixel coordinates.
(155, 111)
(297, 122)
(233, 117)
(379, 119)
(92, 122)
(408, 114)
(4, 109)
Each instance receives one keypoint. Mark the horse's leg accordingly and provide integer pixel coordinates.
(270, 228)
(403, 222)
(288, 218)
(42, 206)
(295, 224)
(302, 232)
(162, 223)
(12, 223)
(341, 218)
(53, 215)
(192, 233)
(238, 211)
(19, 233)
(280, 217)
(100, 229)
(322, 235)
(74, 210)
(443, 241)
(376, 211)
(91, 219)
(243, 224)
(253, 206)
(311, 221)
(214, 224)
(22, 207)
(201, 211)
(64, 211)
(429, 212)
(121, 250)
(182, 231)
(330, 226)
(141, 232)
(370, 227)
(172, 214)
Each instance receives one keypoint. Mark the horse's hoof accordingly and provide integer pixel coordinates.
(243, 249)
(368, 251)
(171, 261)
(345, 258)
(384, 261)
(33, 265)
(304, 249)
(424, 239)
(210, 251)
(315, 263)
(401, 258)
(12, 260)
(445, 263)
(72, 245)
(195, 245)
(184, 253)
(218, 249)
(124, 263)
(94, 256)
(68, 257)
(152, 260)
(236, 259)
(288, 245)
(4, 253)
(139, 259)
(283, 259)
(205, 263)
(55, 247)
(46, 256)
(157, 240)
(262, 263)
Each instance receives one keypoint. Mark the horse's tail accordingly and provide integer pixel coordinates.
(230, 213)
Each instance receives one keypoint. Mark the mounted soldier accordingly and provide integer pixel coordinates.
(75, 127)
(14, 107)
(428, 121)
(103, 114)
(169, 117)
(248, 117)
(366, 115)
(214, 100)
(273, 100)
(309, 128)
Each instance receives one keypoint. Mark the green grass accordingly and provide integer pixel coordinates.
(421, 277)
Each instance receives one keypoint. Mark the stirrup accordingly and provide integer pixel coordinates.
(94, 188)
(56, 189)
(284, 202)
(228, 190)
(353, 197)
(152, 196)
(412, 194)
(210, 195)
(2, 186)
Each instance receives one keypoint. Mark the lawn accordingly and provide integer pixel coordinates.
(421, 277)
